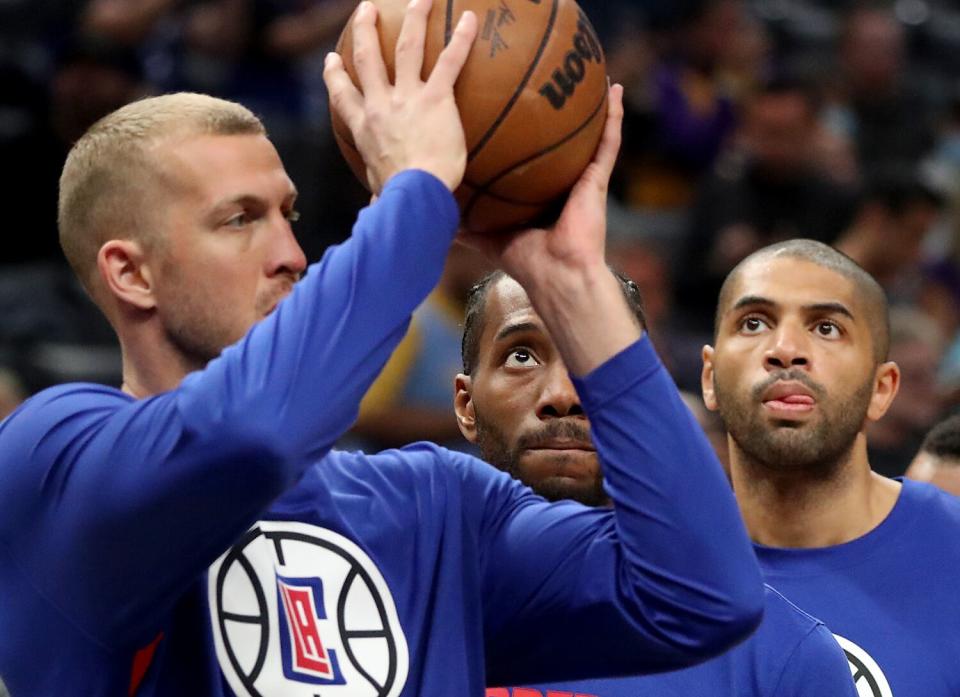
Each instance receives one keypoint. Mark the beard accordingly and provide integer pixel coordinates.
(818, 448)
(495, 449)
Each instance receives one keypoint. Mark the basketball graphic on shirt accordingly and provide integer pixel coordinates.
(867, 676)
(299, 610)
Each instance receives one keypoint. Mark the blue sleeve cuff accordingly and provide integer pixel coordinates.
(634, 364)
(418, 180)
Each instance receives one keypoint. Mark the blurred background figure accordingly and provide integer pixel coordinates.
(12, 393)
(411, 401)
(916, 345)
(771, 186)
(876, 95)
(938, 461)
(748, 121)
(896, 213)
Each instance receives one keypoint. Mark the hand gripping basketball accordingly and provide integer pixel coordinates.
(412, 123)
(531, 94)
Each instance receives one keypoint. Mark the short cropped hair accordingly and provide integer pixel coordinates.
(109, 173)
(474, 316)
(871, 293)
(943, 440)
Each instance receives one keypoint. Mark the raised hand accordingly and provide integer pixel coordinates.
(576, 241)
(564, 270)
(412, 124)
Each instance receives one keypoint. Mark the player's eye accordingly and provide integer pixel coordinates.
(521, 358)
(238, 221)
(828, 329)
(752, 325)
(292, 215)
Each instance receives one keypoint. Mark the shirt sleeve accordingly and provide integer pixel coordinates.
(817, 668)
(665, 579)
(112, 506)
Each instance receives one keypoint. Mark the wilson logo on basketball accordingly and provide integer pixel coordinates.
(297, 608)
(586, 49)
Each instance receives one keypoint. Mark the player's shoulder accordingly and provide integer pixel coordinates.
(783, 615)
(930, 506)
(805, 647)
(421, 458)
(52, 406)
(423, 464)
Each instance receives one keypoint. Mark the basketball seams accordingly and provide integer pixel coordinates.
(448, 23)
(501, 117)
(484, 189)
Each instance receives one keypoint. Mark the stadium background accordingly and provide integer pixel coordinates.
(748, 121)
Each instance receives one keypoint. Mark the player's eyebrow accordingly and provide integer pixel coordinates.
(829, 307)
(752, 301)
(516, 328)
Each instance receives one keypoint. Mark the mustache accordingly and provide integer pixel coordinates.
(791, 375)
(555, 430)
(277, 293)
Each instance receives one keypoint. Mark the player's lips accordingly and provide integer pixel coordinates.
(563, 444)
(788, 396)
(282, 293)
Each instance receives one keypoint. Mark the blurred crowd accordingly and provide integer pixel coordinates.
(748, 122)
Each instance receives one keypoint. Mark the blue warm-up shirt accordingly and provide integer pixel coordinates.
(790, 655)
(889, 596)
(206, 541)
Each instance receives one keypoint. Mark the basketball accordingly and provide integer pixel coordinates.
(532, 97)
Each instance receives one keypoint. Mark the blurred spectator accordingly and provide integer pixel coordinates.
(916, 346)
(38, 124)
(94, 76)
(682, 114)
(772, 187)
(886, 238)
(876, 105)
(411, 398)
(938, 461)
(12, 393)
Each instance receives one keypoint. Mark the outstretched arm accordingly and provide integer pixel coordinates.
(111, 507)
(669, 578)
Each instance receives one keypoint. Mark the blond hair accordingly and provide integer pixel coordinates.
(109, 175)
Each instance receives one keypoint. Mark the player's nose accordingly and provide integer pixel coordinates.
(558, 396)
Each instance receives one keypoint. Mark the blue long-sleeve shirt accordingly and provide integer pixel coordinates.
(790, 655)
(112, 509)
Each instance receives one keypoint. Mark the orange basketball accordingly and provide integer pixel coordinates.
(532, 97)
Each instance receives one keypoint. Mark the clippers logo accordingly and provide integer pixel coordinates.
(298, 610)
(304, 657)
(867, 676)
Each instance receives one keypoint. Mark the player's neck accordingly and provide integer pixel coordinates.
(151, 369)
(799, 510)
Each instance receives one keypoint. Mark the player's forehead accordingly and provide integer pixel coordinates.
(790, 282)
(214, 166)
(507, 306)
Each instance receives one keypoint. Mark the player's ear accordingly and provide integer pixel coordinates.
(463, 406)
(706, 379)
(123, 267)
(885, 386)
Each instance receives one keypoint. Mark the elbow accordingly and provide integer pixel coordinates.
(745, 615)
(733, 620)
(708, 624)
(260, 455)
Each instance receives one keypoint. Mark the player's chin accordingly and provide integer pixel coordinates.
(585, 490)
(567, 464)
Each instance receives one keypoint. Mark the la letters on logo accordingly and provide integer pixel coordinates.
(305, 655)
